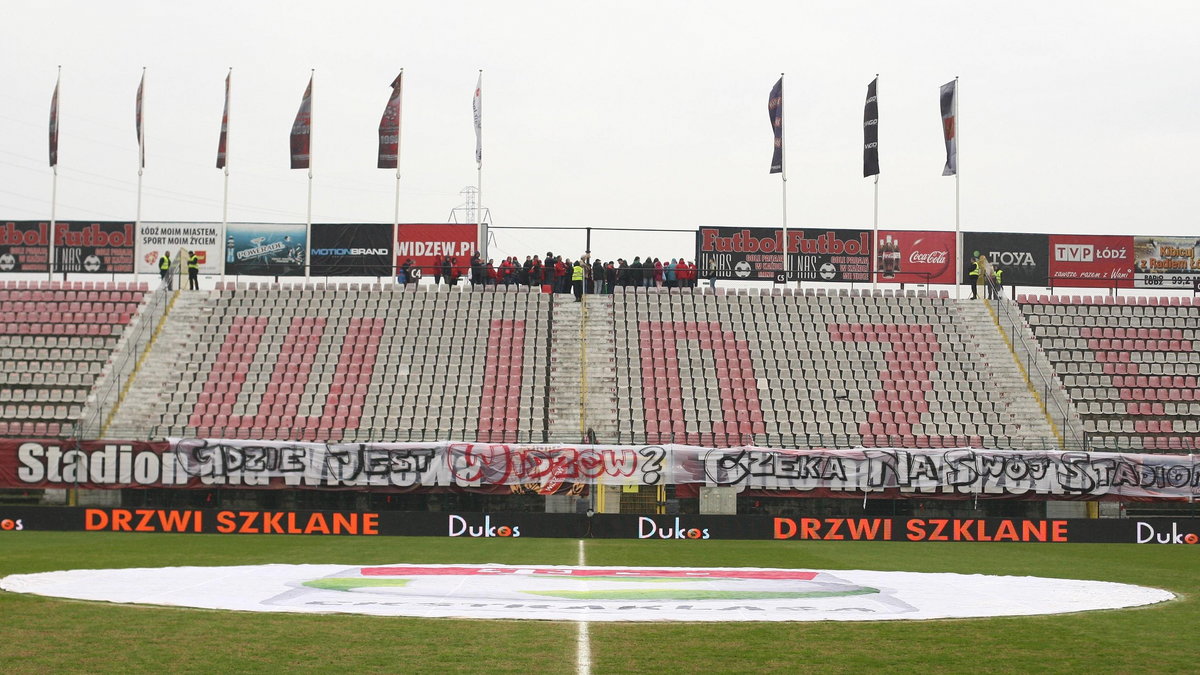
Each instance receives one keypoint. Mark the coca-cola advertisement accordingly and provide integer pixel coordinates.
(1091, 261)
(915, 257)
(24, 246)
(756, 254)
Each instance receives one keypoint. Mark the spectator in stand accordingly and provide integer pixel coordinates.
(477, 277)
(635, 272)
(560, 275)
(658, 272)
(712, 277)
(610, 277)
(437, 269)
(597, 276)
(448, 271)
(691, 274)
(402, 274)
(669, 274)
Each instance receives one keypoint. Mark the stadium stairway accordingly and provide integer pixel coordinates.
(1016, 405)
(582, 375)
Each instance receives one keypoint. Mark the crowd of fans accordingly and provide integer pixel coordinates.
(557, 272)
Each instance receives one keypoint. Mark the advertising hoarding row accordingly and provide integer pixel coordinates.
(250, 249)
(15, 520)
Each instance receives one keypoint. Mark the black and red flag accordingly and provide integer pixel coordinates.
(138, 121)
(389, 128)
(775, 111)
(302, 132)
(222, 147)
(54, 126)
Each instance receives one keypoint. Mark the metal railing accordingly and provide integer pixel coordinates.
(1038, 369)
(107, 392)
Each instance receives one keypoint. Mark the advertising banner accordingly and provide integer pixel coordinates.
(352, 250)
(206, 239)
(265, 249)
(93, 247)
(960, 473)
(24, 246)
(1091, 261)
(1166, 262)
(915, 257)
(756, 254)
(1023, 257)
(424, 242)
(15, 520)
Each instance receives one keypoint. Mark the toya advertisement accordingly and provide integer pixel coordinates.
(1166, 262)
(265, 249)
(756, 254)
(1023, 257)
(357, 250)
(24, 246)
(920, 257)
(424, 244)
(1091, 261)
(203, 238)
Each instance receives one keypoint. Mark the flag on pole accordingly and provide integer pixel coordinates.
(871, 132)
(302, 131)
(140, 135)
(949, 126)
(477, 105)
(389, 128)
(775, 111)
(54, 126)
(221, 143)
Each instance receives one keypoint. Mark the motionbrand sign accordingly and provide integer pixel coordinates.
(756, 253)
(362, 249)
(1165, 532)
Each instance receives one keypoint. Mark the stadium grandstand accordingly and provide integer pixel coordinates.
(774, 367)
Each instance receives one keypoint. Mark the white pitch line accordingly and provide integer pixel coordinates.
(583, 642)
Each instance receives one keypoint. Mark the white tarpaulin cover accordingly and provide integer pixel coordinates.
(588, 593)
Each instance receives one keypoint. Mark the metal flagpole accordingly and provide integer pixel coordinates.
(225, 201)
(875, 212)
(783, 173)
(141, 166)
(399, 115)
(308, 219)
(480, 238)
(957, 172)
(54, 180)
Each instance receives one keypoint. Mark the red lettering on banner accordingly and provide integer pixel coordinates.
(785, 528)
(500, 402)
(278, 409)
(741, 414)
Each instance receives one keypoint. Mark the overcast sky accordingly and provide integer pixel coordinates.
(1074, 116)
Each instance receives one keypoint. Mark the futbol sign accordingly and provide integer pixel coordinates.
(756, 254)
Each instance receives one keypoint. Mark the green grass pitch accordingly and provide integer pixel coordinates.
(43, 635)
